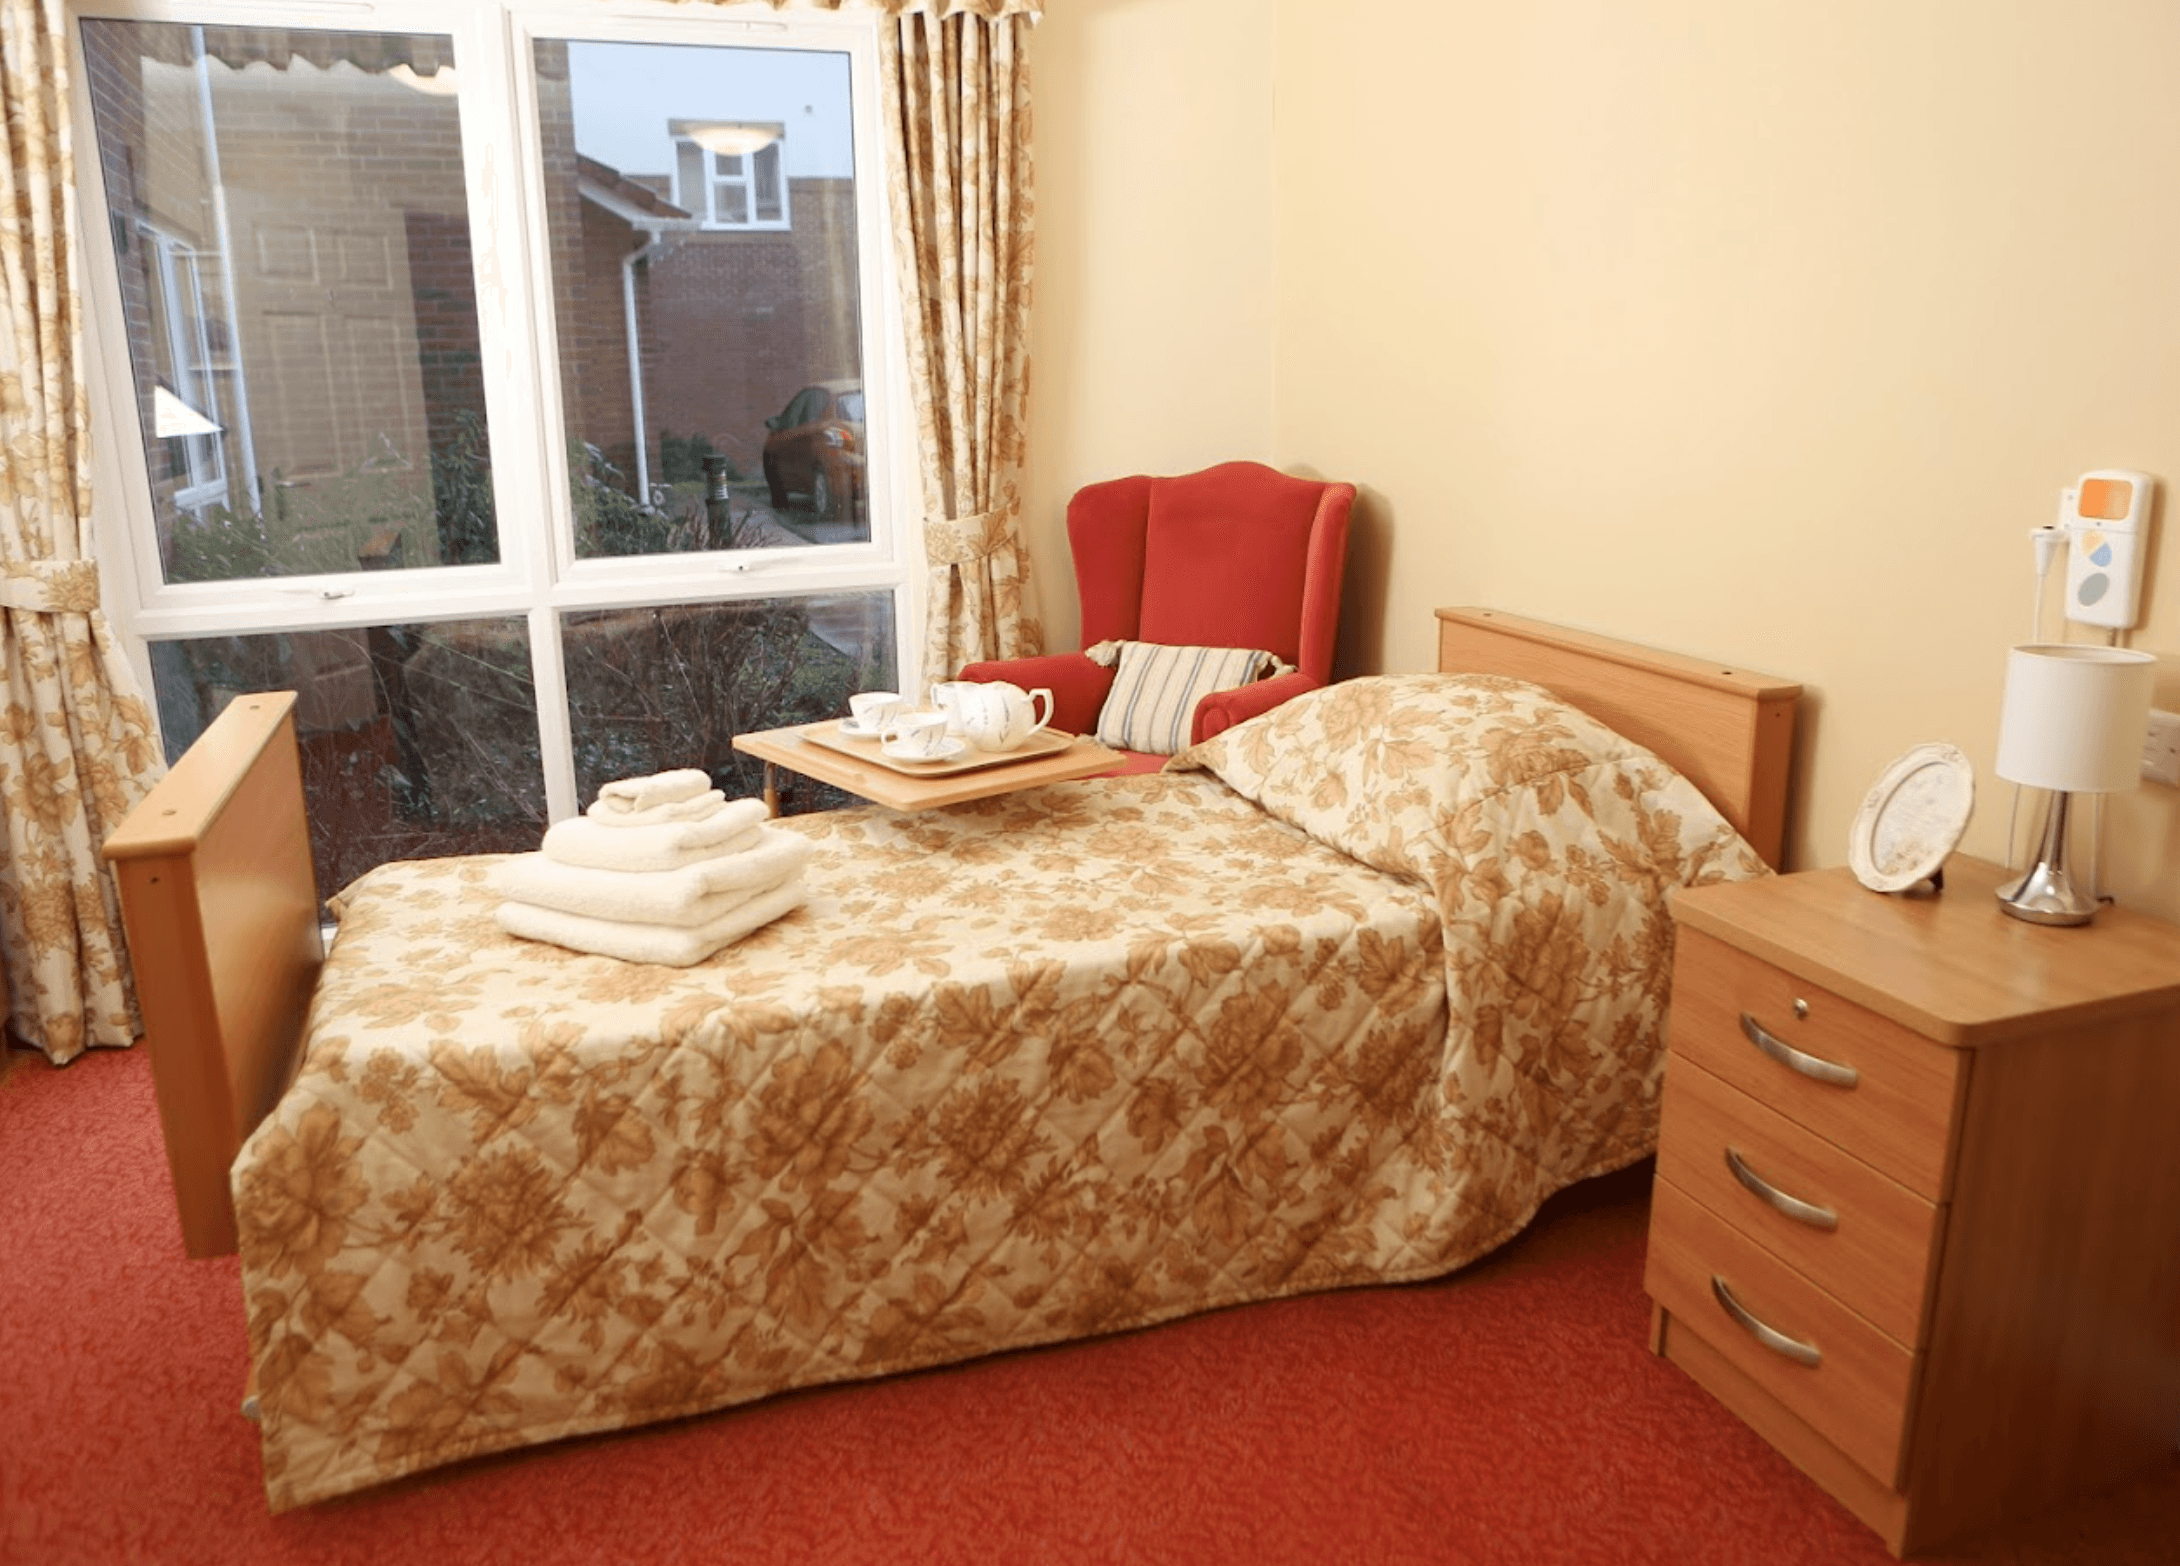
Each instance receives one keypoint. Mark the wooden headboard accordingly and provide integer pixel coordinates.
(218, 900)
(1729, 732)
(221, 911)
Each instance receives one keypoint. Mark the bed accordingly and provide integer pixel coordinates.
(1339, 998)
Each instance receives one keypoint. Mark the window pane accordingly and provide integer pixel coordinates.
(690, 178)
(768, 185)
(417, 740)
(681, 335)
(291, 229)
(650, 690)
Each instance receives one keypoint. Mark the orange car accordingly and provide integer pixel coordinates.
(814, 447)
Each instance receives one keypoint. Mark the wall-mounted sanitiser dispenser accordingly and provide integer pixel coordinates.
(2107, 520)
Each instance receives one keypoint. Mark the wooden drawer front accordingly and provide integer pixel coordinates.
(1856, 1397)
(1876, 1260)
(1898, 1115)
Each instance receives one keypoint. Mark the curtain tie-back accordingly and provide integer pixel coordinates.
(955, 541)
(50, 586)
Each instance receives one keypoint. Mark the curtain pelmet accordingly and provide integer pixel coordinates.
(989, 10)
(312, 41)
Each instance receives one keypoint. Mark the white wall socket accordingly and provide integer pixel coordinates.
(2161, 748)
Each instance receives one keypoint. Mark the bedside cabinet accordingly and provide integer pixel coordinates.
(1917, 1210)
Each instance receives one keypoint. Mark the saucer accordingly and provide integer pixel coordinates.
(946, 752)
(855, 730)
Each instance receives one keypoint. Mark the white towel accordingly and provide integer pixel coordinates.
(680, 810)
(667, 846)
(661, 788)
(648, 942)
(694, 894)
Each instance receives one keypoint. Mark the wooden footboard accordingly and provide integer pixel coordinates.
(221, 912)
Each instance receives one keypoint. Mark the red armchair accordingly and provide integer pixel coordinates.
(1239, 555)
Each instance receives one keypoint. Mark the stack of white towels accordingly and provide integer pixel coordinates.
(660, 869)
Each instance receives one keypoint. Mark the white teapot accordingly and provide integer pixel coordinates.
(999, 716)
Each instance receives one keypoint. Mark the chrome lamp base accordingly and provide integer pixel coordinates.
(2046, 894)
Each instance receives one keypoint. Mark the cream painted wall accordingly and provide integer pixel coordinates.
(1151, 340)
(1762, 331)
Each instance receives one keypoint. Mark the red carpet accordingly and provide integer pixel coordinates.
(1509, 1414)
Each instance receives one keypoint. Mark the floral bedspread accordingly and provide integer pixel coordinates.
(1341, 998)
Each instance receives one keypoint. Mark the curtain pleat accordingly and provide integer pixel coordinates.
(76, 737)
(957, 101)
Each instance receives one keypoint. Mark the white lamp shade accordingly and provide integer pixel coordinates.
(2074, 717)
(442, 83)
(734, 138)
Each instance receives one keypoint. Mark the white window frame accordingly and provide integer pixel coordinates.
(538, 575)
(204, 460)
(703, 205)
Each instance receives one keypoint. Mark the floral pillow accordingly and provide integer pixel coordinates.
(1464, 781)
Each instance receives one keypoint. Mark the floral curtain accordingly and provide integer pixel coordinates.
(76, 739)
(957, 102)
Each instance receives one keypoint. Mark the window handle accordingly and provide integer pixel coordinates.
(329, 594)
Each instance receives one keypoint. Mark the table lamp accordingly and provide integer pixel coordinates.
(2072, 723)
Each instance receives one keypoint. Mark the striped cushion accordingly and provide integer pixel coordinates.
(1152, 705)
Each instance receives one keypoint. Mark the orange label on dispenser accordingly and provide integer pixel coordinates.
(2105, 500)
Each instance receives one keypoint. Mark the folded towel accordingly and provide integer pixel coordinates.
(649, 942)
(661, 788)
(666, 846)
(693, 895)
(680, 810)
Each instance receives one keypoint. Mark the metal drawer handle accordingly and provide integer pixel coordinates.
(1787, 1055)
(1793, 1206)
(1771, 1337)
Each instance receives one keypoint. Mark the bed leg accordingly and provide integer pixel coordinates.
(249, 1394)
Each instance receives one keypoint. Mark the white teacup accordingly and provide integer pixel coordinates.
(946, 696)
(870, 711)
(916, 736)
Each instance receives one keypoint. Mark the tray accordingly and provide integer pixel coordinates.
(1045, 742)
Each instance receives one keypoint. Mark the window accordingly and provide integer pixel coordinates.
(727, 174)
(185, 398)
(459, 377)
